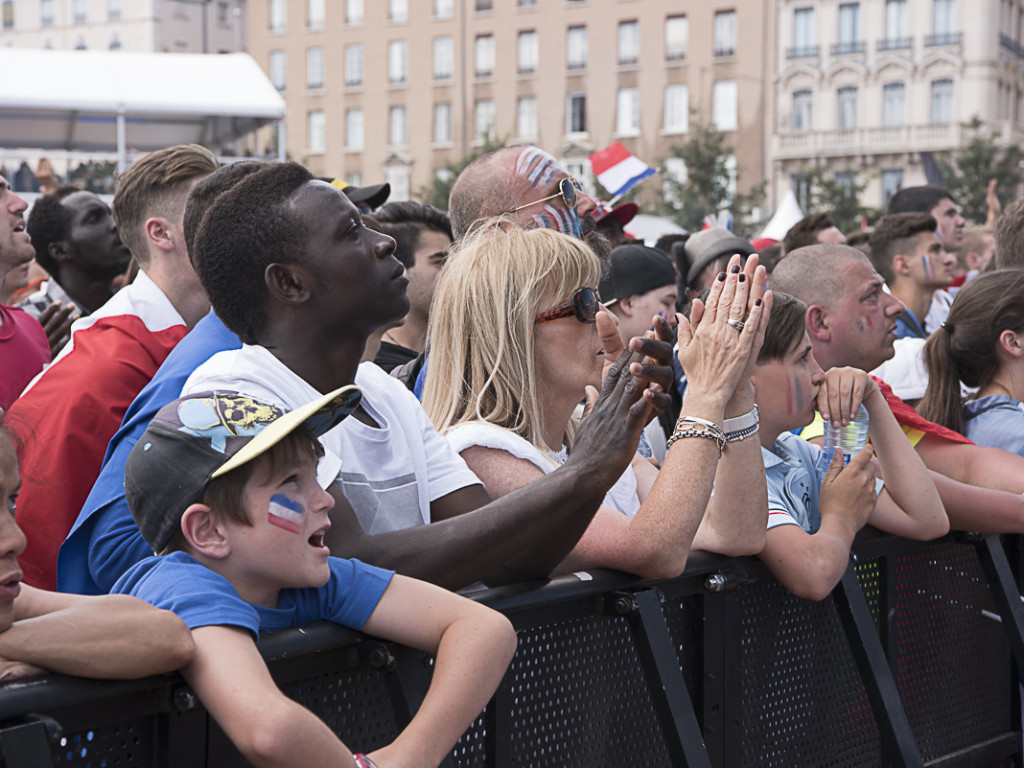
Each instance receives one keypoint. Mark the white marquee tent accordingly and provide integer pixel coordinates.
(114, 101)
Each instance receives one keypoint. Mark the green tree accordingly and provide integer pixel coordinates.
(437, 192)
(98, 177)
(966, 174)
(838, 194)
(705, 189)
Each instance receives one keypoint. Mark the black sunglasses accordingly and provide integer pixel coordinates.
(584, 305)
(567, 188)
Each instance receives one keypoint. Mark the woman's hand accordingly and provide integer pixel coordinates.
(718, 345)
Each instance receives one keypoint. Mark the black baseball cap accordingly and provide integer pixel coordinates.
(373, 197)
(197, 438)
(635, 269)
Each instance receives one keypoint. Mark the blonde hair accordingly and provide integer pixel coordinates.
(482, 357)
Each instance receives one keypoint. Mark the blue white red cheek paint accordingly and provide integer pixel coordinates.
(537, 167)
(926, 263)
(285, 513)
(564, 220)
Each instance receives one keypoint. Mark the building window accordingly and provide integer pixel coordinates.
(846, 108)
(849, 28)
(484, 55)
(46, 13)
(576, 47)
(115, 43)
(396, 62)
(730, 178)
(485, 5)
(316, 131)
(576, 113)
(846, 181)
(526, 3)
(8, 14)
(896, 34)
(354, 64)
(278, 15)
(892, 180)
(892, 105)
(483, 120)
(315, 14)
(628, 113)
(354, 12)
(113, 10)
(353, 129)
(442, 123)
(802, 114)
(803, 33)
(80, 11)
(444, 58)
(944, 18)
(677, 31)
(527, 51)
(315, 68)
(397, 133)
(278, 67)
(942, 101)
(398, 11)
(673, 178)
(397, 177)
(80, 45)
(677, 108)
(355, 179)
(723, 105)
(443, 9)
(222, 12)
(526, 118)
(629, 42)
(725, 33)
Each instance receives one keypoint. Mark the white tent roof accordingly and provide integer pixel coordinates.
(72, 99)
(786, 215)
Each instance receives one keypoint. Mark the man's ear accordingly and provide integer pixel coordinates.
(817, 322)
(288, 283)
(60, 251)
(160, 233)
(202, 532)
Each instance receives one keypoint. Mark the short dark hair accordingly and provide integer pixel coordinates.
(918, 199)
(805, 231)
(49, 223)
(1009, 236)
(892, 236)
(245, 229)
(207, 190)
(404, 221)
(786, 326)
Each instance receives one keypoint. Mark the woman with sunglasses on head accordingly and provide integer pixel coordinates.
(516, 347)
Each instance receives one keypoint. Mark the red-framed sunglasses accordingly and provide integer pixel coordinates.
(584, 306)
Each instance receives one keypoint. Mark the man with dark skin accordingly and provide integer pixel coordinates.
(76, 241)
(851, 321)
(309, 304)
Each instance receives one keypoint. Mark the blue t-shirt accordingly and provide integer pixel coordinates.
(795, 470)
(908, 326)
(997, 421)
(104, 541)
(202, 598)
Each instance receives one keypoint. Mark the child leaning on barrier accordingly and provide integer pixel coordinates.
(225, 488)
(815, 504)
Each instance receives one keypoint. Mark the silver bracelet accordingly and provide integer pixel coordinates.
(740, 423)
(690, 426)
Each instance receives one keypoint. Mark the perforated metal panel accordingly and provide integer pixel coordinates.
(126, 745)
(952, 665)
(579, 698)
(802, 700)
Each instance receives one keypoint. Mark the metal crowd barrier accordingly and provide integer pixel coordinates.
(912, 661)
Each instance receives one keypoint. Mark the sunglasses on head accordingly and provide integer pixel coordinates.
(567, 188)
(584, 305)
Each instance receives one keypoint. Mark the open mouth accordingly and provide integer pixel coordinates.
(317, 540)
(19, 227)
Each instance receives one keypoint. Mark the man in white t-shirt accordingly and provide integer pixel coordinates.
(291, 269)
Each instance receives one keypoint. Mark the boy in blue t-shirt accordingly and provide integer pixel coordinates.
(816, 506)
(225, 488)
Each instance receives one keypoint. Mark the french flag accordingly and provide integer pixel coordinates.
(618, 170)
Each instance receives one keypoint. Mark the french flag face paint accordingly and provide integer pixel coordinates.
(565, 220)
(537, 167)
(285, 513)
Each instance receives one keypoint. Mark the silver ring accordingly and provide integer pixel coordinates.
(737, 324)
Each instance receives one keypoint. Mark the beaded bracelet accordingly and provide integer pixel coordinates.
(691, 426)
(742, 427)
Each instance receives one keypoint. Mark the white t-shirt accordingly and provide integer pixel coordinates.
(389, 475)
(622, 496)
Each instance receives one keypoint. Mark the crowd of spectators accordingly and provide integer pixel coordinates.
(208, 444)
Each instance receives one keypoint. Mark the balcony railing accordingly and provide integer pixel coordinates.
(943, 38)
(893, 44)
(873, 140)
(847, 47)
(725, 50)
(803, 52)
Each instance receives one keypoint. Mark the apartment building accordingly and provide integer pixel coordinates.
(396, 89)
(175, 26)
(865, 89)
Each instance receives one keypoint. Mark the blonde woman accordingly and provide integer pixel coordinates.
(516, 347)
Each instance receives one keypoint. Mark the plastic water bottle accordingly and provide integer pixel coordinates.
(849, 439)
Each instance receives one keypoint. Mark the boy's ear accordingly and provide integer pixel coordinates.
(626, 305)
(901, 265)
(159, 233)
(816, 321)
(287, 282)
(202, 533)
